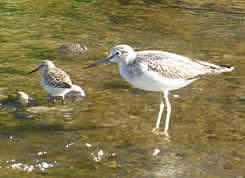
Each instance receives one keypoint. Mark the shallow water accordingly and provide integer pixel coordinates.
(108, 134)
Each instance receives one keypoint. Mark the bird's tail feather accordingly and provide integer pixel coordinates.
(216, 69)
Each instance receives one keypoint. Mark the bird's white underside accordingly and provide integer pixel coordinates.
(153, 81)
(53, 91)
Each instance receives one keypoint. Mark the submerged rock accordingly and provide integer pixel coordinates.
(46, 109)
(23, 115)
(41, 109)
(71, 49)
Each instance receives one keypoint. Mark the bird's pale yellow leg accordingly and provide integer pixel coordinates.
(160, 112)
(156, 130)
(168, 112)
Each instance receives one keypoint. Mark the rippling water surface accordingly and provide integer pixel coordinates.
(108, 134)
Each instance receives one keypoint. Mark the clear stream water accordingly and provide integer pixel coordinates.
(108, 134)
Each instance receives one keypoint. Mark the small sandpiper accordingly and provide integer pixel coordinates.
(55, 81)
(159, 71)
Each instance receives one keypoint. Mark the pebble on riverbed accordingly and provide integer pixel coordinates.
(24, 99)
(71, 49)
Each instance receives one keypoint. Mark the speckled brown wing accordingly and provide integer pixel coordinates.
(58, 79)
(173, 66)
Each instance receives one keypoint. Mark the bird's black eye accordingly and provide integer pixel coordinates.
(118, 53)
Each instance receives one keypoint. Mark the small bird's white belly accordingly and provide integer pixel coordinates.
(55, 91)
(152, 81)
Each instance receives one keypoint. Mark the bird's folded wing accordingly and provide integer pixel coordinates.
(58, 79)
(172, 66)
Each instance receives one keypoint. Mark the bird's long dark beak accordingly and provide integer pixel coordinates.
(103, 61)
(34, 70)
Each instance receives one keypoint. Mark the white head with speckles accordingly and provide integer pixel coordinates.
(122, 54)
(44, 66)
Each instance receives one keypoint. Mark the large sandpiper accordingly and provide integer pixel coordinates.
(159, 71)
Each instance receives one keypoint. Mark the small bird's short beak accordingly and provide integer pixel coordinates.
(103, 61)
(34, 70)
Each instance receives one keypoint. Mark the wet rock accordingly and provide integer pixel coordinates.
(45, 109)
(23, 115)
(24, 99)
(71, 49)
(8, 102)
